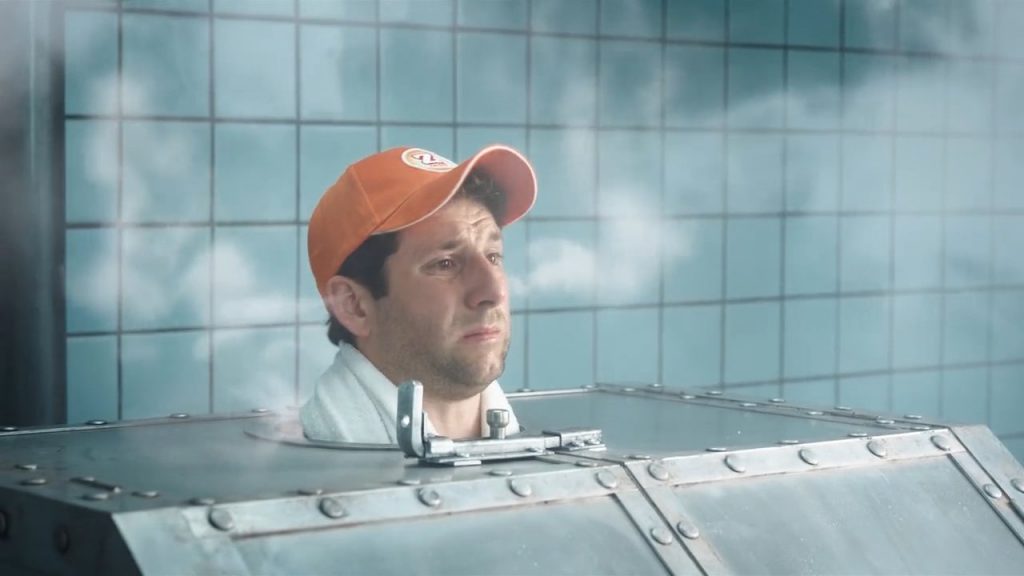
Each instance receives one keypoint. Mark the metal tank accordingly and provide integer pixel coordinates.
(604, 480)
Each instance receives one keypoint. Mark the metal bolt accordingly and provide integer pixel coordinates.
(430, 497)
(814, 412)
(405, 421)
(409, 482)
(657, 471)
(62, 540)
(497, 421)
(778, 400)
(28, 467)
(96, 496)
(788, 442)
(202, 501)
(735, 464)
(178, 416)
(500, 472)
(586, 464)
(520, 487)
(992, 490)
(913, 416)
(588, 386)
(858, 434)
(33, 482)
(629, 389)
(657, 385)
(877, 448)
(920, 427)
(689, 531)
(687, 396)
(260, 410)
(662, 536)
(220, 519)
(808, 456)
(96, 422)
(146, 494)
(748, 404)
(885, 421)
(1018, 484)
(844, 408)
(332, 508)
(942, 443)
(716, 449)
(607, 479)
(9, 429)
(714, 392)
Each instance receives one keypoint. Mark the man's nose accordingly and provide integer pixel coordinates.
(486, 283)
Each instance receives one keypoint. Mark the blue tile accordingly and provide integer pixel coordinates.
(1009, 105)
(90, 170)
(560, 350)
(629, 173)
(968, 174)
(253, 368)
(694, 79)
(1007, 325)
(630, 84)
(751, 342)
(811, 254)
(569, 16)
(563, 81)
(760, 21)
(755, 173)
(505, 14)
(90, 63)
(433, 12)
(813, 90)
(165, 373)
(696, 272)
(921, 22)
(1007, 398)
(91, 378)
(916, 393)
(968, 256)
(562, 264)
(1010, 21)
(812, 172)
(865, 392)
(254, 274)
(416, 75)
(90, 279)
(1007, 257)
(514, 375)
(965, 396)
(966, 327)
(566, 165)
(316, 353)
(166, 65)
(311, 306)
(918, 184)
(969, 86)
(491, 78)
(920, 94)
(696, 20)
(917, 249)
(694, 173)
(1009, 173)
(865, 253)
(326, 152)
(869, 91)
(812, 393)
(172, 185)
(867, 173)
(254, 69)
(355, 10)
(338, 73)
(691, 350)
(471, 139)
(752, 257)
(438, 139)
(260, 7)
(813, 23)
(630, 250)
(627, 346)
(631, 18)
(756, 88)
(514, 249)
(165, 277)
(870, 24)
(183, 5)
(810, 338)
(254, 172)
(863, 334)
(916, 330)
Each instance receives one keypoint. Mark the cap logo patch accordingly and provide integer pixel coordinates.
(426, 160)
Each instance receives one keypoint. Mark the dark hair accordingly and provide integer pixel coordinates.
(366, 264)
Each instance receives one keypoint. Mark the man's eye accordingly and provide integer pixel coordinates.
(445, 264)
(496, 258)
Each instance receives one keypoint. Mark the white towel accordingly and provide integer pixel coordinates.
(355, 402)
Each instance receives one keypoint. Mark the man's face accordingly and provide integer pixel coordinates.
(445, 318)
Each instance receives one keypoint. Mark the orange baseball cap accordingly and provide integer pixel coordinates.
(397, 188)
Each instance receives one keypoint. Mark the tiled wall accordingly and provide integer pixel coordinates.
(815, 199)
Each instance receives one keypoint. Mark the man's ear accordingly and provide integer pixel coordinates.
(351, 304)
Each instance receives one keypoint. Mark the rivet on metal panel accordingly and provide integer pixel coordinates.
(716, 449)
(520, 487)
(525, 389)
(814, 412)
(912, 416)
(714, 392)
(687, 396)
(748, 404)
(588, 386)
(33, 482)
(221, 519)
(586, 464)
(96, 496)
(877, 448)
(920, 427)
(29, 467)
(202, 501)
(689, 531)
(639, 456)
(607, 479)
(808, 455)
(332, 508)
(430, 497)
(62, 540)
(657, 385)
(1018, 484)
(992, 490)
(409, 482)
(500, 472)
(858, 434)
(778, 400)
(146, 494)
(662, 536)
(629, 389)
(260, 410)
(657, 471)
(942, 443)
(735, 464)
(405, 421)
(9, 429)
(788, 442)
(844, 408)
(178, 416)
(884, 420)
(96, 422)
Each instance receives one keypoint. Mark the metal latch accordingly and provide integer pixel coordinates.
(443, 451)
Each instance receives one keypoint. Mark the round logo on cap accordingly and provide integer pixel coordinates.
(426, 160)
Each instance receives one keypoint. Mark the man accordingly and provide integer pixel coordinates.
(406, 251)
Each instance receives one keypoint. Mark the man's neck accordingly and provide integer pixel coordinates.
(454, 418)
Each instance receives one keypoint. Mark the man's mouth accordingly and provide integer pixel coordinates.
(483, 334)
